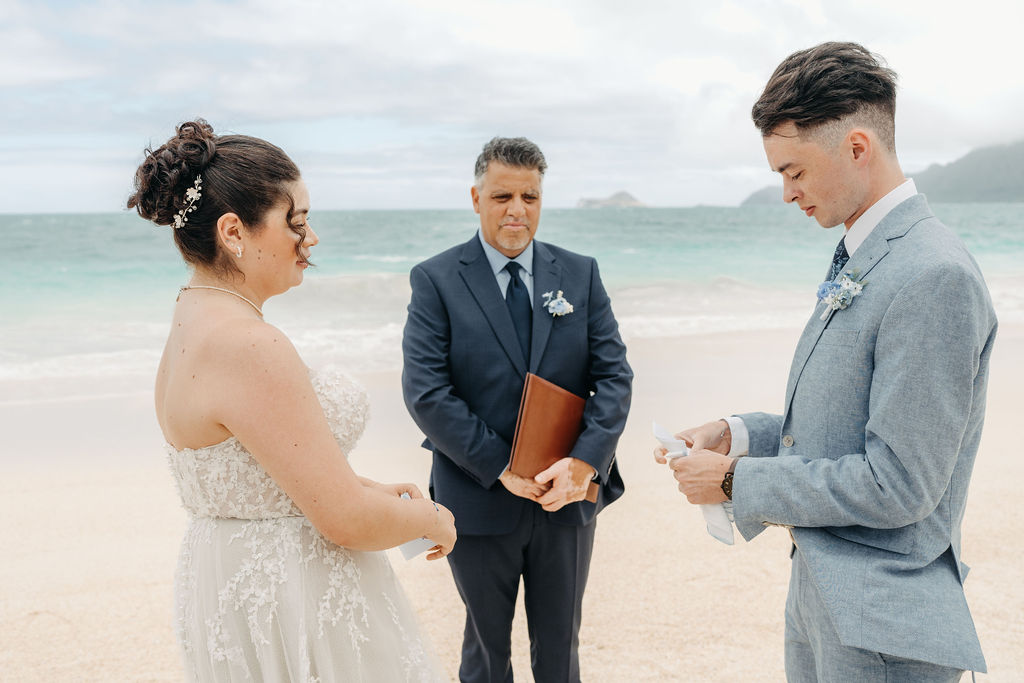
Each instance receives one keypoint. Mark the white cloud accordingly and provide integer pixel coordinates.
(31, 59)
(387, 103)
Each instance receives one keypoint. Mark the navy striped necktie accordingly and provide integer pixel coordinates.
(839, 259)
(517, 298)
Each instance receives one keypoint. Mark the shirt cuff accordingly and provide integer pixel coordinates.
(740, 436)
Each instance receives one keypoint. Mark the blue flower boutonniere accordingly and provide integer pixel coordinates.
(557, 305)
(838, 294)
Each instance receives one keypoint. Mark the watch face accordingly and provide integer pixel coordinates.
(727, 485)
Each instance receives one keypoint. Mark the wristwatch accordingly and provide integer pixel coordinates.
(727, 480)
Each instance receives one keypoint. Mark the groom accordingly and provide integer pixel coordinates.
(478, 321)
(868, 466)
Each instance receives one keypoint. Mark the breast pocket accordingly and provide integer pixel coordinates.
(830, 337)
(573, 324)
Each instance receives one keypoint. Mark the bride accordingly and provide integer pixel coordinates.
(276, 579)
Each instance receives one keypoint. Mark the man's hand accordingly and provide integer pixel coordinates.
(714, 436)
(569, 479)
(523, 487)
(700, 475)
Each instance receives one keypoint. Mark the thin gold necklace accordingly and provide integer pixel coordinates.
(221, 289)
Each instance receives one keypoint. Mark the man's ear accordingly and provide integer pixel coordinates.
(475, 194)
(860, 145)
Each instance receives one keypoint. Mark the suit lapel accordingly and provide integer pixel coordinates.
(547, 277)
(476, 273)
(896, 224)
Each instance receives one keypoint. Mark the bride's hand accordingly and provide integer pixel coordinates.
(399, 489)
(443, 533)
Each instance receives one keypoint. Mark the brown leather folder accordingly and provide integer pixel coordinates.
(550, 420)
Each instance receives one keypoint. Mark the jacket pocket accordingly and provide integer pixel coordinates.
(838, 337)
(899, 540)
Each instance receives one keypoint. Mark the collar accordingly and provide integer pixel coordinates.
(863, 226)
(498, 260)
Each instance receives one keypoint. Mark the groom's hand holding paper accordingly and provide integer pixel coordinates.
(682, 456)
(713, 436)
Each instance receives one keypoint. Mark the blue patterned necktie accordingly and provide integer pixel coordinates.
(839, 259)
(517, 298)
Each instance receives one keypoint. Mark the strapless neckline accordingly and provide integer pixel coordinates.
(325, 376)
(225, 480)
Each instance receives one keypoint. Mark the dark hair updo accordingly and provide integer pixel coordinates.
(240, 174)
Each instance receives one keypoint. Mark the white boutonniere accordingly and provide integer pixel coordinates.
(557, 305)
(839, 294)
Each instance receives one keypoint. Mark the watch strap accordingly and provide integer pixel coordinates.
(727, 479)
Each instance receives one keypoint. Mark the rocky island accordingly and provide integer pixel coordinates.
(619, 199)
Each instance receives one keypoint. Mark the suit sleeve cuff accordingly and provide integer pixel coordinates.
(740, 436)
(498, 478)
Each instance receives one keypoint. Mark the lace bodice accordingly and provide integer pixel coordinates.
(224, 480)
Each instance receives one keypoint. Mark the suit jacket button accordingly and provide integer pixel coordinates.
(787, 441)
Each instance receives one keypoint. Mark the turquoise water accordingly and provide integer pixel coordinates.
(90, 295)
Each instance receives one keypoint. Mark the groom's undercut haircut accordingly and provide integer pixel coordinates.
(828, 89)
(515, 152)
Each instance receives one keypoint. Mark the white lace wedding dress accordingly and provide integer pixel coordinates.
(262, 596)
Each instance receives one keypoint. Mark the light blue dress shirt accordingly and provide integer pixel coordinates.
(498, 261)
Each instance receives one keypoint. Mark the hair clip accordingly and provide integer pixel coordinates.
(192, 194)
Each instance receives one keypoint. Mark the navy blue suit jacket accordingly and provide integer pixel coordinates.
(464, 372)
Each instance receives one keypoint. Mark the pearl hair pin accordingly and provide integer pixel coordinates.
(192, 195)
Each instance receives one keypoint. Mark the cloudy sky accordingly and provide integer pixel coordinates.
(386, 103)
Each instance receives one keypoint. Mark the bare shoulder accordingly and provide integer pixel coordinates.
(246, 339)
(255, 351)
(252, 365)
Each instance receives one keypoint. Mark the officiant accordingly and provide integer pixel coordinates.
(482, 315)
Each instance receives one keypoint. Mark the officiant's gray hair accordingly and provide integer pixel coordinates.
(515, 152)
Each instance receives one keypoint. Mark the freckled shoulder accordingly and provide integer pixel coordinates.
(248, 346)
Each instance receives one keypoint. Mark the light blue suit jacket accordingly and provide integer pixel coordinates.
(871, 460)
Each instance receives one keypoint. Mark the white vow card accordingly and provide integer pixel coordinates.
(716, 515)
(416, 546)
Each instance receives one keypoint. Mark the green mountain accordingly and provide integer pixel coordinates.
(989, 174)
(766, 195)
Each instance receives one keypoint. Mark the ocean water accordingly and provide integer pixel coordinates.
(85, 300)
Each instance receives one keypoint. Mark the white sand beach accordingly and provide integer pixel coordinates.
(91, 526)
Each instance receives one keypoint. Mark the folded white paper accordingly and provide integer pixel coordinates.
(717, 516)
(416, 546)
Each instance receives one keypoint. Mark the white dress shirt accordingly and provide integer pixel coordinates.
(862, 227)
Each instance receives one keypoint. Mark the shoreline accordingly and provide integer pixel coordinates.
(92, 526)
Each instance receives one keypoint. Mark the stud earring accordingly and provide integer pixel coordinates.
(239, 252)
